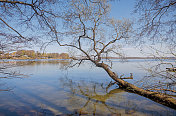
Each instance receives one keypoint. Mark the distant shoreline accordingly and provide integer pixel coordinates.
(139, 58)
(174, 58)
(34, 59)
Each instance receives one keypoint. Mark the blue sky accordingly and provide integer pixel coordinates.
(122, 9)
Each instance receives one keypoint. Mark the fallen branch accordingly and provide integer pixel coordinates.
(155, 96)
(131, 76)
(127, 78)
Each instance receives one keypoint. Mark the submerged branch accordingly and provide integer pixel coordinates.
(163, 90)
(155, 96)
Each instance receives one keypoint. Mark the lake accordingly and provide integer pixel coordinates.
(48, 88)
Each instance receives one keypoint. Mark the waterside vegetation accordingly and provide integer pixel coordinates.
(31, 54)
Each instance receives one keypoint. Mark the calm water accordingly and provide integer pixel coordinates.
(47, 89)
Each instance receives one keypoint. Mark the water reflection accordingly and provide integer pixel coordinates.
(10, 69)
(35, 62)
(95, 95)
(106, 99)
(83, 90)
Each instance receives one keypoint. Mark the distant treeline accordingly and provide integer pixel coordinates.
(139, 58)
(31, 54)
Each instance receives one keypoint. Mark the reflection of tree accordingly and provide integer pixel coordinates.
(97, 97)
(17, 63)
(8, 69)
(3, 88)
(6, 72)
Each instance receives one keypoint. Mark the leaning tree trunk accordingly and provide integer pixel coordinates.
(155, 96)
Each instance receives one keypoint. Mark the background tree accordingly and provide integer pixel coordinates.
(23, 22)
(64, 56)
(157, 19)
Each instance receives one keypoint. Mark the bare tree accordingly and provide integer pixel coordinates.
(89, 30)
(157, 24)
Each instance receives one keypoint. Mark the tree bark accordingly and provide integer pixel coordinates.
(155, 96)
